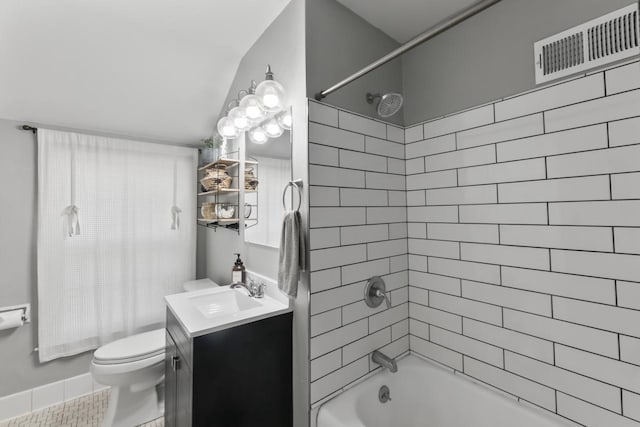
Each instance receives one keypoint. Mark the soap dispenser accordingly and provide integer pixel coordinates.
(238, 273)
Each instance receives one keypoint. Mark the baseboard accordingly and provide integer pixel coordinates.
(24, 402)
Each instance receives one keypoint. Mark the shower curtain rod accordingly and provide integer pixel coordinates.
(27, 127)
(34, 129)
(416, 41)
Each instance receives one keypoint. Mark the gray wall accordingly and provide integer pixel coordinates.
(339, 43)
(217, 255)
(283, 46)
(20, 369)
(488, 57)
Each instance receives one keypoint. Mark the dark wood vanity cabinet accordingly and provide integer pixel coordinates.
(236, 377)
(178, 377)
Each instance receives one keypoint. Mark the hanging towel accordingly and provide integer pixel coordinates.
(292, 254)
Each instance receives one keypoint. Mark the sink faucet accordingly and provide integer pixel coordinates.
(384, 361)
(254, 290)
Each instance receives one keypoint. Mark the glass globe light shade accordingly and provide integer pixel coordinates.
(258, 135)
(271, 95)
(226, 128)
(272, 128)
(253, 108)
(285, 120)
(239, 118)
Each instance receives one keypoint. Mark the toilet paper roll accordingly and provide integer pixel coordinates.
(11, 319)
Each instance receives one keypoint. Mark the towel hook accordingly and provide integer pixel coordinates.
(298, 185)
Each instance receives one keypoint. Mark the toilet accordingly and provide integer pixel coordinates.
(134, 368)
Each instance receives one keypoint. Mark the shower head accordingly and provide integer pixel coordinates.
(389, 104)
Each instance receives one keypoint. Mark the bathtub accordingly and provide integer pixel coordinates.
(424, 394)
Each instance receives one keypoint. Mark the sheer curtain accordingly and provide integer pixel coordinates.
(116, 233)
(273, 175)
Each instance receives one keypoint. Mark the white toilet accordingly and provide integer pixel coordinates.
(134, 368)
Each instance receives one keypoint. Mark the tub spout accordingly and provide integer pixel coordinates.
(384, 361)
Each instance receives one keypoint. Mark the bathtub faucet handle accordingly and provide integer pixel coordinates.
(380, 293)
(375, 292)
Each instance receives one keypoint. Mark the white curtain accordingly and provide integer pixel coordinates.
(273, 175)
(116, 233)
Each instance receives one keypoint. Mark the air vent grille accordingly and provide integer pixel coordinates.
(563, 54)
(613, 36)
(598, 42)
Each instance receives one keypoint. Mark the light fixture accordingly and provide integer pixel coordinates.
(252, 106)
(239, 118)
(227, 129)
(285, 120)
(272, 128)
(260, 112)
(257, 135)
(270, 93)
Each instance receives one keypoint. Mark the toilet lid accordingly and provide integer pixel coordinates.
(132, 348)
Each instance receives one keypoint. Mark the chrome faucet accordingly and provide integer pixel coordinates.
(384, 361)
(254, 290)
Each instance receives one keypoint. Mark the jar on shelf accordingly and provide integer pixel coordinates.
(225, 211)
(208, 210)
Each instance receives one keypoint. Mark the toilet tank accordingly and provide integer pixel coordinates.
(197, 285)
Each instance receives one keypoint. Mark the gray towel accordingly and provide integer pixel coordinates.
(292, 254)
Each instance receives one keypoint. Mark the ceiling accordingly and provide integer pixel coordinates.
(404, 19)
(156, 69)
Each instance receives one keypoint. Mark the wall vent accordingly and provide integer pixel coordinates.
(598, 42)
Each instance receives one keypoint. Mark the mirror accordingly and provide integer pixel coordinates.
(271, 171)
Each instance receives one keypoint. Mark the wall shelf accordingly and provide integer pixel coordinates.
(227, 162)
(231, 223)
(220, 221)
(232, 193)
(218, 192)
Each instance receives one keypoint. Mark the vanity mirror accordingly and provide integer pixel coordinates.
(263, 208)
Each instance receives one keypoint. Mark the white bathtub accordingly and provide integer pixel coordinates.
(426, 395)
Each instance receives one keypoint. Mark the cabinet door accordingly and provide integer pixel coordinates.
(184, 383)
(170, 382)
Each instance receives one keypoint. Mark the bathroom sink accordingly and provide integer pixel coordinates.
(223, 303)
(209, 310)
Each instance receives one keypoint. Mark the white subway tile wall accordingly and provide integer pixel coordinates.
(524, 254)
(358, 217)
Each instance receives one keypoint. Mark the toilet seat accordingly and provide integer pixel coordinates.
(134, 348)
(114, 369)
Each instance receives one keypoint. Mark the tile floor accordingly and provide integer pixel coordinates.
(86, 411)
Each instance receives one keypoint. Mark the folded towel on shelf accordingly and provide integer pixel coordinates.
(292, 254)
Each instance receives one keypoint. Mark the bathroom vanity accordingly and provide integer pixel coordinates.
(228, 360)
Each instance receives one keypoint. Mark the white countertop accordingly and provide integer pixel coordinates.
(209, 310)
